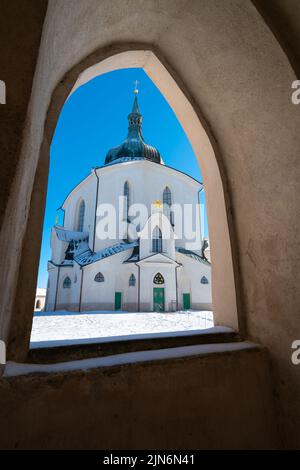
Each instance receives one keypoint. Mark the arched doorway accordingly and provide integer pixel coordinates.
(158, 293)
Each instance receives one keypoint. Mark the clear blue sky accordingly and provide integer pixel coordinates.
(93, 120)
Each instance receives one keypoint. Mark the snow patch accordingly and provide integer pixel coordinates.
(107, 326)
(111, 339)
(13, 369)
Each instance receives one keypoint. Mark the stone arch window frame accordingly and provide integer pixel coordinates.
(99, 277)
(66, 283)
(132, 280)
(198, 131)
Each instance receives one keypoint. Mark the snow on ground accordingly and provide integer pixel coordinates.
(13, 369)
(62, 325)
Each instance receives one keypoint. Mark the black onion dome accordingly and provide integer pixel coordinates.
(134, 147)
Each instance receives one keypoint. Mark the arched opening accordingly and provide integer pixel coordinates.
(167, 202)
(224, 295)
(157, 240)
(132, 280)
(190, 118)
(237, 52)
(159, 293)
(167, 196)
(67, 283)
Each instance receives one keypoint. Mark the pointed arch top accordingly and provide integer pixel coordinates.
(199, 134)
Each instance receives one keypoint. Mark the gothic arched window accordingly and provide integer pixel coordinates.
(99, 277)
(158, 279)
(80, 220)
(167, 202)
(127, 198)
(67, 283)
(204, 280)
(156, 240)
(167, 197)
(132, 280)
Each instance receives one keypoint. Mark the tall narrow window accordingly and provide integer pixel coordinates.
(67, 283)
(167, 202)
(167, 197)
(156, 240)
(132, 280)
(127, 199)
(80, 220)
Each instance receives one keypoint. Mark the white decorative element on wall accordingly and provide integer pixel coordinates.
(2, 92)
(296, 93)
(2, 352)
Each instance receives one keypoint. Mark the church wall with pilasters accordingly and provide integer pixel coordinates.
(147, 274)
(189, 281)
(101, 295)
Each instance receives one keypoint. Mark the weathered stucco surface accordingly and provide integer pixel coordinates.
(176, 404)
(236, 73)
(21, 29)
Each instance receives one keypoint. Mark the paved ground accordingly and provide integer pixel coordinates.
(52, 326)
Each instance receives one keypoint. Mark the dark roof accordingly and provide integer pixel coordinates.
(135, 255)
(193, 255)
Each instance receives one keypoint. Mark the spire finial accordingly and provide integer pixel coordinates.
(135, 87)
(135, 107)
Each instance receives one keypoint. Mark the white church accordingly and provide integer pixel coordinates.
(131, 236)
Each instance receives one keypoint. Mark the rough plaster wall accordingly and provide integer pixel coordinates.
(239, 76)
(163, 405)
(21, 27)
(283, 16)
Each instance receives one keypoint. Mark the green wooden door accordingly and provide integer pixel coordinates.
(186, 301)
(158, 299)
(118, 300)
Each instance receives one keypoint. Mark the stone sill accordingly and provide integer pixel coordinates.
(13, 369)
(71, 350)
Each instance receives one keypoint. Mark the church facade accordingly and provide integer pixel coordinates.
(124, 243)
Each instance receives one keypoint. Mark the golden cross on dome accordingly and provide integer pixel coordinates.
(157, 203)
(135, 86)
